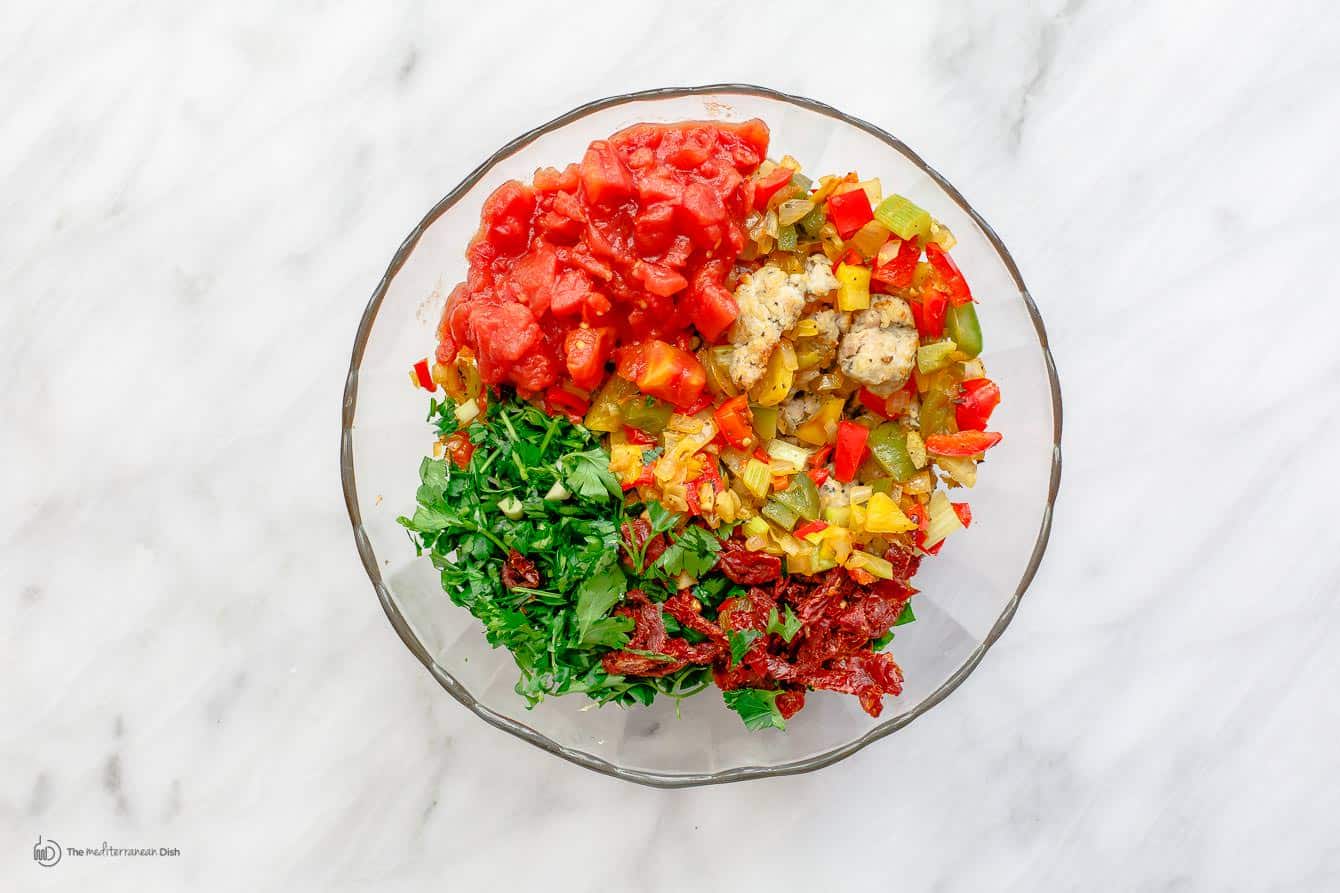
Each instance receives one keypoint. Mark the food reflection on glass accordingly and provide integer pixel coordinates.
(699, 418)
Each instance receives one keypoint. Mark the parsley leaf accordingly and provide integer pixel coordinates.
(693, 552)
(882, 642)
(756, 706)
(740, 640)
(588, 475)
(611, 632)
(596, 595)
(786, 629)
(661, 518)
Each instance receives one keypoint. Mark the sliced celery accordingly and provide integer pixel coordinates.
(903, 218)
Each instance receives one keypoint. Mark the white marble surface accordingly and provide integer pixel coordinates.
(196, 206)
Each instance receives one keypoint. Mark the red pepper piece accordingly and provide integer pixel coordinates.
(979, 399)
(765, 187)
(963, 511)
(424, 376)
(851, 440)
(818, 475)
(964, 443)
(949, 274)
(558, 401)
(849, 211)
(809, 527)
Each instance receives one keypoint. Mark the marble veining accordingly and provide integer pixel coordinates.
(198, 202)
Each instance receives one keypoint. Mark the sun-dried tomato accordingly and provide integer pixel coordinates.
(635, 535)
(745, 567)
(518, 570)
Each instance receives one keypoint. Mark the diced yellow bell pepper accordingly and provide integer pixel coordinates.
(808, 562)
(822, 427)
(853, 287)
(805, 328)
(626, 461)
(837, 514)
(775, 384)
(882, 515)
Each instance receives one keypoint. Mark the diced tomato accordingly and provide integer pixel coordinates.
(735, 421)
(604, 177)
(505, 216)
(850, 450)
(558, 401)
(818, 475)
(702, 207)
(424, 376)
(897, 273)
(964, 443)
(973, 409)
(667, 372)
(587, 350)
(548, 179)
(638, 436)
(809, 527)
(949, 275)
(849, 211)
(659, 280)
(963, 511)
(766, 186)
(460, 449)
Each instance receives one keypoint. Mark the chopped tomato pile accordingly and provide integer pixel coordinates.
(632, 245)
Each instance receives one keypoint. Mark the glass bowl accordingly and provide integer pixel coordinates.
(968, 593)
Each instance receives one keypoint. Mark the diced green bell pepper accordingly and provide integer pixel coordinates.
(802, 497)
(765, 421)
(779, 514)
(814, 221)
(888, 444)
(786, 238)
(961, 324)
(647, 413)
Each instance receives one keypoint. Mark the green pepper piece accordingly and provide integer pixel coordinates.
(647, 413)
(802, 497)
(786, 238)
(779, 514)
(937, 404)
(814, 221)
(765, 421)
(606, 412)
(888, 444)
(883, 485)
(961, 325)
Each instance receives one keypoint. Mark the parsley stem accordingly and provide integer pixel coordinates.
(549, 434)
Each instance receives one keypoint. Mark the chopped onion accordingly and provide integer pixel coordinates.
(467, 412)
(787, 454)
(791, 210)
(943, 520)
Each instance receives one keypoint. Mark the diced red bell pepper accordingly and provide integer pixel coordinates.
(761, 454)
(424, 376)
(766, 186)
(916, 512)
(638, 436)
(691, 496)
(874, 402)
(809, 527)
(558, 401)
(849, 211)
(949, 274)
(897, 273)
(929, 312)
(643, 480)
(852, 258)
(973, 409)
(735, 422)
(964, 443)
(818, 475)
(819, 457)
(850, 450)
(963, 511)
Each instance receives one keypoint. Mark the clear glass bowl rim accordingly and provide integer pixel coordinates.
(521, 730)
